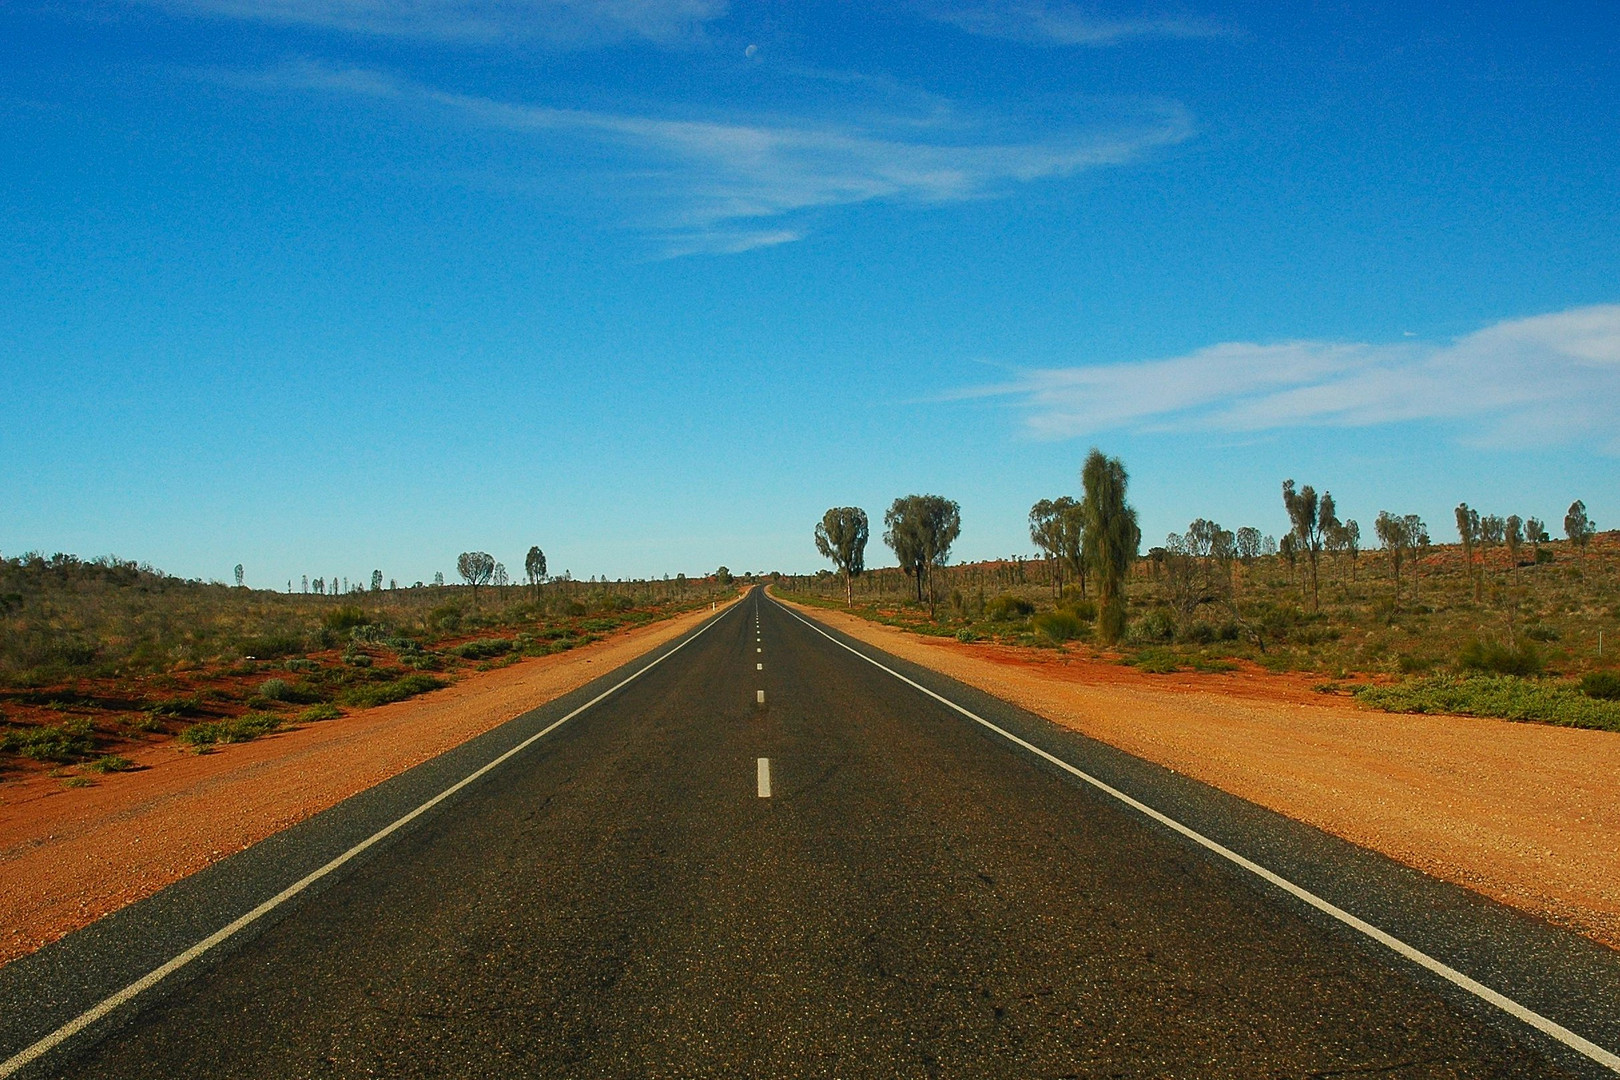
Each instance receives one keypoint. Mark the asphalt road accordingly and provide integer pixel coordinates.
(915, 896)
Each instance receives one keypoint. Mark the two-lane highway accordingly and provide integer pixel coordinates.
(766, 856)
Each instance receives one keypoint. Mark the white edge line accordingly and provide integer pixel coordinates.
(1520, 1012)
(152, 978)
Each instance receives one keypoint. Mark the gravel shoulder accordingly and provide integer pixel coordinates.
(1523, 813)
(71, 855)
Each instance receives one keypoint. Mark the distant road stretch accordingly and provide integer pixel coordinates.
(765, 856)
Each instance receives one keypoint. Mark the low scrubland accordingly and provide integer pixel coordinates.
(1525, 638)
(100, 656)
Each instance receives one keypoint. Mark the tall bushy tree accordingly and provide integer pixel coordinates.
(1305, 514)
(1513, 537)
(376, 581)
(1111, 538)
(239, 575)
(1392, 535)
(1535, 531)
(534, 565)
(1578, 527)
(475, 568)
(1468, 531)
(841, 537)
(1057, 527)
(921, 530)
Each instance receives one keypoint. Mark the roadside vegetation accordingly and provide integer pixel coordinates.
(1507, 621)
(100, 656)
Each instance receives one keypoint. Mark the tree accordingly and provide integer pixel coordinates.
(376, 581)
(304, 585)
(239, 576)
(1248, 544)
(841, 538)
(1417, 544)
(534, 565)
(475, 568)
(438, 577)
(1111, 538)
(921, 530)
(722, 577)
(1351, 542)
(1468, 530)
(499, 578)
(1535, 531)
(1305, 513)
(1392, 534)
(1578, 527)
(1513, 537)
(1043, 532)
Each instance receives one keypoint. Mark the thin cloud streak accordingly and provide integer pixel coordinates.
(476, 21)
(1041, 22)
(724, 186)
(1546, 379)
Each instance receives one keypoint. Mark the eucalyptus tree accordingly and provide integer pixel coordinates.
(1111, 538)
(475, 568)
(239, 575)
(1248, 544)
(1578, 527)
(534, 565)
(1469, 532)
(1057, 527)
(1392, 535)
(1309, 518)
(841, 537)
(921, 529)
(1535, 531)
(1513, 537)
(376, 581)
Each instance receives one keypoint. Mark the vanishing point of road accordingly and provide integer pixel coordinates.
(765, 851)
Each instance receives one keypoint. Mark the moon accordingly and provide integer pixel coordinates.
(751, 50)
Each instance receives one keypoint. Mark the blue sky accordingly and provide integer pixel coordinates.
(321, 286)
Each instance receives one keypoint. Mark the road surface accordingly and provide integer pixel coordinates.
(765, 856)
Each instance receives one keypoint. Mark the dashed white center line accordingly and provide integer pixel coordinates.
(764, 771)
(759, 696)
(759, 667)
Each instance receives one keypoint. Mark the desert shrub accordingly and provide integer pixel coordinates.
(357, 659)
(344, 618)
(1603, 685)
(324, 711)
(275, 689)
(1543, 556)
(1506, 696)
(1412, 664)
(1056, 625)
(1008, 608)
(1198, 632)
(396, 690)
(1541, 633)
(1085, 609)
(301, 664)
(244, 728)
(1155, 625)
(1155, 661)
(296, 693)
(599, 625)
(1499, 659)
(966, 634)
(107, 763)
(273, 646)
(180, 706)
(70, 741)
(483, 648)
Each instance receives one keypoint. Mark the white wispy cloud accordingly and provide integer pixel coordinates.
(480, 21)
(727, 184)
(1051, 22)
(1547, 379)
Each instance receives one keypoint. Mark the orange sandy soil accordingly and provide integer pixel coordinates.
(70, 855)
(1523, 813)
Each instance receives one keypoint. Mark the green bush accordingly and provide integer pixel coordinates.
(297, 693)
(71, 741)
(1084, 610)
(1603, 685)
(1056, 626)
(323, 711)
(1008, 608)
(181, 706)
(244, 728)
(1154, 661)
(107, 763)
(483, 648)
(397, 690)
(1506, 696)
(1198, 632)
(345, 617)
(1499, 659)
(966, 634)
(1155, 625)
(1541, 633)
(273, 646)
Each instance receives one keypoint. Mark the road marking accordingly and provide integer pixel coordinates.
(764, 772)
(759, 667)
(1529, 1016)
(759, 696)
(152, 978)
(759, 650)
